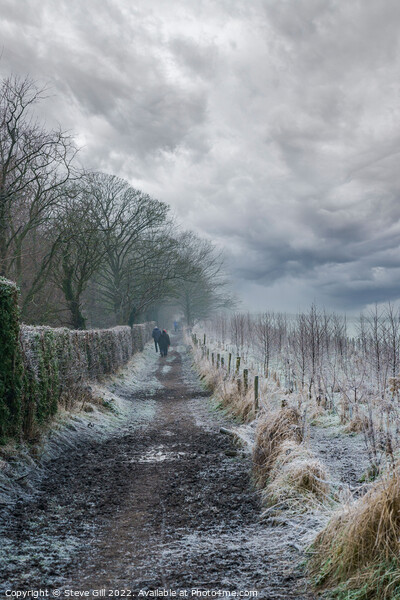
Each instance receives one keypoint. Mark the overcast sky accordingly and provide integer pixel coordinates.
(269, 126)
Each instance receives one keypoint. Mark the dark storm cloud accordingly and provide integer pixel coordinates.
(271, 127)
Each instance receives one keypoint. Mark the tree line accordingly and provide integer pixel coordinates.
(86, 248)
(316, 351)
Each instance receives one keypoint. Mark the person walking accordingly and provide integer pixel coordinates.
(175, 326)
(156, 336)
(164, 343)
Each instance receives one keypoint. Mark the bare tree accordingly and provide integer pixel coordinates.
(391, 328)
(238, 329)
(78, 253)
(203, 288)
(265, 335)
(34, 166)
(298, 341)
(128, 220)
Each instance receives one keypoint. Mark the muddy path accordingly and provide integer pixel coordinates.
(166, 502)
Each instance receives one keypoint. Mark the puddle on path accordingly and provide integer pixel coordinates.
(155, 455)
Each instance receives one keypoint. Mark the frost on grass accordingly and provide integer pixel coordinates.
(357, 554)
(297, 481)
(287, 471)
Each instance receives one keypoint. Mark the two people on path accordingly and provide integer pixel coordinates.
(161, 340)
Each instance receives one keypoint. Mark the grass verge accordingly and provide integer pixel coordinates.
(357, 555)
(285, 469)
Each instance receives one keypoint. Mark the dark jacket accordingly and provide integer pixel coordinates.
(156, 334)
(164, 341)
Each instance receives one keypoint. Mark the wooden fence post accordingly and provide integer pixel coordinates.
(256, 393)
(237, 365)
(245, 380)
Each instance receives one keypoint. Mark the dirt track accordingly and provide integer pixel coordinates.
(162, 503)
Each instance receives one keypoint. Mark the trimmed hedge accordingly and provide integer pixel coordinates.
(42, 366)
(11, 371)
(57, 362)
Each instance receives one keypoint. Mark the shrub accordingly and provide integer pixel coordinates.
(41, 366)
(57, 362)
(11, 374)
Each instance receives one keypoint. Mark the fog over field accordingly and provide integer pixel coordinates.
(271, 127)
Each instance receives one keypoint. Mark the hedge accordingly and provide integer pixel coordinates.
(11, 371)
(42, 366)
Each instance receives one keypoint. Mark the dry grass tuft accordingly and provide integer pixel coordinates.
(238, 403)
(272, 431)
(290, 475)
(226, 391)
(303, 469)
(316, 413)
(297, 480)
(209, 375)
(212, 379)
(358, 551)
(358, 424)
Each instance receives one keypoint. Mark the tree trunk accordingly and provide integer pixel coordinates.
(3, 235)
(73, 300)
(77, 321)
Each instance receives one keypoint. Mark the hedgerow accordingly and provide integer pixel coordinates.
(43, 367)
(11, 372)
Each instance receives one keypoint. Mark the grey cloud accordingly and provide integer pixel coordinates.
(21, 14)
(270, 127)
(198, 60)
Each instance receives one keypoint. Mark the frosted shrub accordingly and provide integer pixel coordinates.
(57, 362)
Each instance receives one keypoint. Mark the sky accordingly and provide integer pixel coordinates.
(271, 127)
